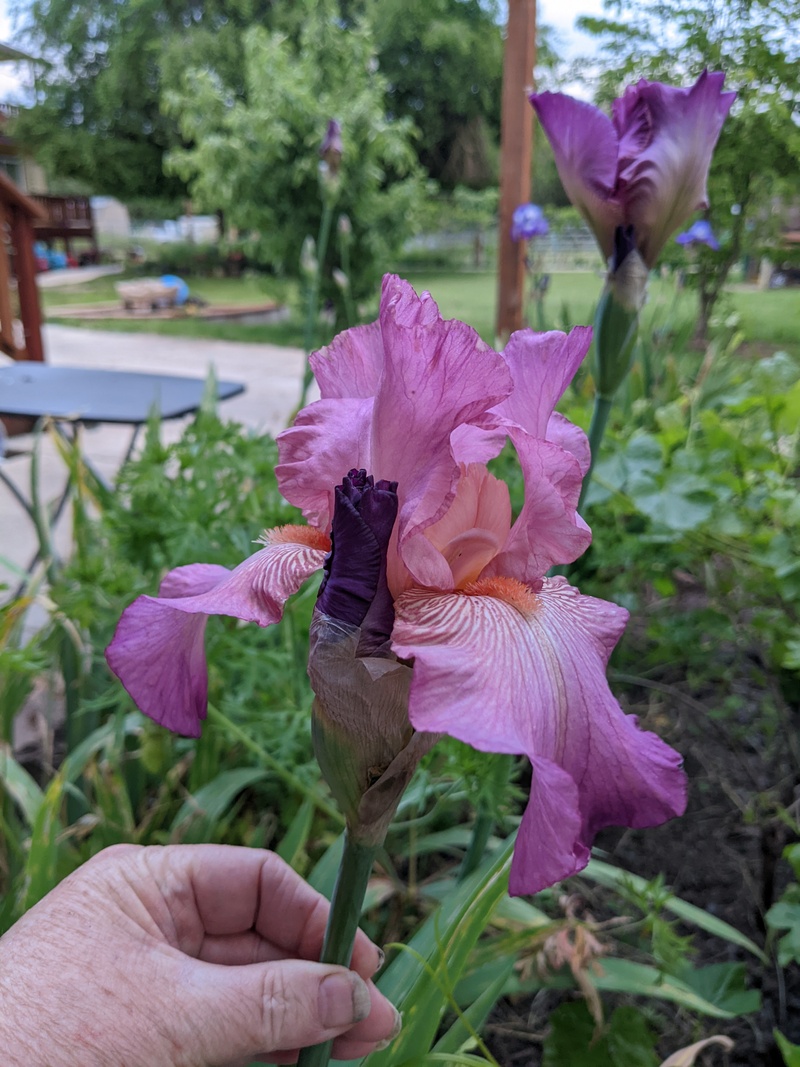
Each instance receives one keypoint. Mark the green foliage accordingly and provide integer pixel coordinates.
(785, 915)
(790, 1052)
(256, 156)
(99, 118)
(698, 492)
(575, 1039)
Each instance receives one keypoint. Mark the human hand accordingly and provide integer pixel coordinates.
(182, 956)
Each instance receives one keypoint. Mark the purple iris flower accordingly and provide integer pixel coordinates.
(699, 233)
(354, 588)
(528, 221)
(646, 166)
(484, 646)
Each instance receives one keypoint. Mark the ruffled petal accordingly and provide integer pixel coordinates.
(328, 438)
(157, 651)
(475, 527)
(351, 365)
(509, 668)
(549, 846)
(542, 365)
(585, 147)
(667, 138)
(565, 434)
(192, 579)
(438, 375)
(548, 530)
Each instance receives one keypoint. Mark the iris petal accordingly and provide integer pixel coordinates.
(513, 668)
(157, 651)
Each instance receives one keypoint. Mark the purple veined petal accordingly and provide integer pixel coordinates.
(475, 444)
(585, 146)
(157, 651)
(193, 579)
(670, 134)
(328, 438)
(510, 668)
(542, 365)
(351, 365)
(437, 376)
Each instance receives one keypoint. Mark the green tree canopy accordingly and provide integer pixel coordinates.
(98, 119)
(444, 63)
(256, 156)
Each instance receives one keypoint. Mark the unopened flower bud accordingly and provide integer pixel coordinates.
(340, 278)
(331, 148)
(309, 264)
(617, 317)
(363, 740)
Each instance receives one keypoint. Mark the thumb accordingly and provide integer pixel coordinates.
(231, 1012)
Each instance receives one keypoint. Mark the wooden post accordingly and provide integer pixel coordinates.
(23, 237)
(516, 147)
(6, 314)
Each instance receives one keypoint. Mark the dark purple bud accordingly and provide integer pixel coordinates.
(354, 588)
(331, 148)
(624, 244)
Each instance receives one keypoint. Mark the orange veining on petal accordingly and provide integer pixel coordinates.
(509, 590)
(296, 535)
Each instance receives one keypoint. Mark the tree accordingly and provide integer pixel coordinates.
(256, 155)
(444, 63)
(757, 44)
(98, 119)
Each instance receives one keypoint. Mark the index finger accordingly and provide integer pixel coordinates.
(237, 889)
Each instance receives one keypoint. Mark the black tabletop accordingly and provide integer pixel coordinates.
(38, 389)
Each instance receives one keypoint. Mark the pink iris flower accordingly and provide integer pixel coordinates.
(646, 166)
(503, 657)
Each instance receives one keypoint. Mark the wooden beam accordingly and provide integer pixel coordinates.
(516, 153)
(25, 264)
(6, 313)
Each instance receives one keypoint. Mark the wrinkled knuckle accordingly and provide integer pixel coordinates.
(276, 1008)
(113, 853)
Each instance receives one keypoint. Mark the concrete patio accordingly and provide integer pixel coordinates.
(272, 376)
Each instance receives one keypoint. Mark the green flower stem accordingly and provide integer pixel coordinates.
(597, 427)
(312, 306)
(481, 832)
(348, 898)
(350, 308)
(486, 814)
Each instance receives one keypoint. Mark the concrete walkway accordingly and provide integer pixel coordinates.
(272, 376)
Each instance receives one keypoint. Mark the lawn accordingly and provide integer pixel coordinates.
(770, 319)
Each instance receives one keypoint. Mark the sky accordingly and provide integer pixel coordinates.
(559, 14)
(11, 74)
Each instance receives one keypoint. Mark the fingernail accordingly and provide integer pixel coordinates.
(343, 1000)
(398, 1026)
